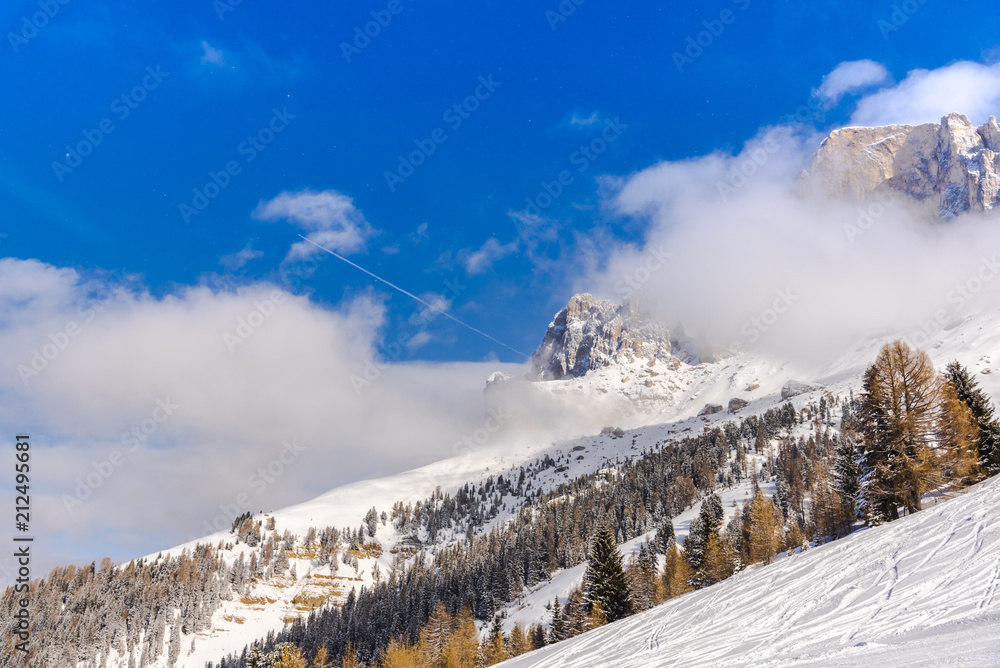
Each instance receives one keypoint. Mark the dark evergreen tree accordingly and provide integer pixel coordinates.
(987, 426)
(606, 584)
(665, 538)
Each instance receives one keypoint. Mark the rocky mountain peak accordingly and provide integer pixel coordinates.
(953, 166)
(591, 334)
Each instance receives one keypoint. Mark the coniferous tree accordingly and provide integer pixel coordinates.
(519, 643)
(557, 631)
(677, 575)
(495, 647)
(606, 584)
(665, 538)
(983, 412)
(956, 458)
(847, 471)
(899, 410)
(642, 576)
(765, 532)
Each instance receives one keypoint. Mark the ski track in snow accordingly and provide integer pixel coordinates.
(921, 591)
(672, 403)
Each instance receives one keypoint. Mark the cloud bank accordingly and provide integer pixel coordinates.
(755, 262)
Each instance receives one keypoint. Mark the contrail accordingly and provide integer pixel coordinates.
(413, 296)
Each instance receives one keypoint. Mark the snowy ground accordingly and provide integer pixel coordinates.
(922, 591)
(668, 402)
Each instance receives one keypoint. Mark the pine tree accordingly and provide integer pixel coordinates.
(765, 529)
(399, 655)
(537, 636)
(462, 648)
(606, 583)
(847, 470)
(719, 559)
(642, 576)
(287, 655)
(519, 642)
(436, 632)
(557, 632)
(350, 659)
(899, 410)
(665, 538)
(677, 574)
(987, 425)
(956, 458)
(495, 648)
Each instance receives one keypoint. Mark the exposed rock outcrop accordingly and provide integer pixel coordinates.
(794, 388)
(953, 166)
(591, 334)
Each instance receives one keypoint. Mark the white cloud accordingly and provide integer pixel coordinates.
(925, 96)
(237, 260)
(731, 257)
(290, 378)
(212, 55)
(294, 375)
(481, 260)
(852, 76)
(329, 217)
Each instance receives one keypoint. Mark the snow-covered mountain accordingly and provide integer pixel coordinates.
(926, 578)
(592, 334)
(272, 603)
(952, 166)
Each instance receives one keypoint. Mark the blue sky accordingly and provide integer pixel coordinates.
(226, 71)
(582, 143)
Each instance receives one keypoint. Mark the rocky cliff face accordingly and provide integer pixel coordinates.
(953, 166)
(591, 334)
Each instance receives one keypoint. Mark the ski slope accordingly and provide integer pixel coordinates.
(670, 403)
(921, 591)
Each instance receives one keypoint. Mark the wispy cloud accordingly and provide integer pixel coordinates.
(481, 260)
(212, 55)
(850, 77)
(239, 259)
(329, 217)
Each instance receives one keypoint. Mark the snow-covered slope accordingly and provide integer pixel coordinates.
(923, 591)
(664, 409)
